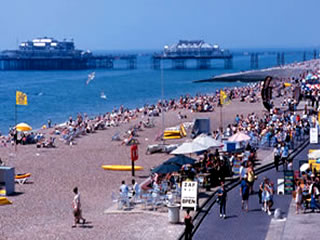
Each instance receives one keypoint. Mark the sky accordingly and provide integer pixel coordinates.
(151, 24)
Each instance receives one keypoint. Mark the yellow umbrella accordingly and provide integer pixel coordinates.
(23, 127)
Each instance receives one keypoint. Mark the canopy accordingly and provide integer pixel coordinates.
(23, 127)
(207, 141)
(314, 154)
(166, 168)
(304, 167)
(180, 160)
(189, 147)
(239, 137)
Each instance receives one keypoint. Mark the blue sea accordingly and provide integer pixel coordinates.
(56, 95)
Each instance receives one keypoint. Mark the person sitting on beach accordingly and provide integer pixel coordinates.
(124, 190)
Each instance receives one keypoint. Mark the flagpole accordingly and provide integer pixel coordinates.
(15, 127)
(162, 98)
(221, 125)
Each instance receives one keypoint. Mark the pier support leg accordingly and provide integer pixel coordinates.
(203, 63)
(156, 63)
(179, 64)
(282, 59)
(304, 58)
(131, 64)
(254, 60)
(228, 63)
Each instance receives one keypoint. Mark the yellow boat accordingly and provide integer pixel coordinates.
(4, 201)
(2, 192)
(121, 167)
(24, 175)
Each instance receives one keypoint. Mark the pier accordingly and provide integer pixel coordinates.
(280, 56)
(201, 52)
(50, 54)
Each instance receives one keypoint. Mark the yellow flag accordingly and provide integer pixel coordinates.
(21, 98)
(223, 97)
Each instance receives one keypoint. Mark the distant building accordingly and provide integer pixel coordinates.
(45, 47)
(194, 48)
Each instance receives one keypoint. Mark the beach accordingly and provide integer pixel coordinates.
(42, 209)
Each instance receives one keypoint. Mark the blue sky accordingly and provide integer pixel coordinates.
(150, 24)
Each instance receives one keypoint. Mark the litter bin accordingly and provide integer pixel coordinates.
(174, 213)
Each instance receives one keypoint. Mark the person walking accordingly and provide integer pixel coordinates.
(298, 196)
(268, 196)
(251, 177)
(244, 193)
(284, 156)
(76, 206)
(276, 156)
(222, 197)
(188, 226)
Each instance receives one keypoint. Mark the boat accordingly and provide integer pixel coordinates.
(4, 201)
(22, 176)
(103, 96)
(121, 167)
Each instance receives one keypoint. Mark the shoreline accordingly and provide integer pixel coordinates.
(257, 75)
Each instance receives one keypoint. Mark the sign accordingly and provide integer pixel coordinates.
(314, 135)
(280, 186)
(288, 182)
(189, 194)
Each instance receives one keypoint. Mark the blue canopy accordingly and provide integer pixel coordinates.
(180, 160)
(166, 168)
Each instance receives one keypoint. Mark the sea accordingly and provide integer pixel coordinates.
(57, 95)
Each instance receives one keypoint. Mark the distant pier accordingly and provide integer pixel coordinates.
(203, 53)
(50, 54)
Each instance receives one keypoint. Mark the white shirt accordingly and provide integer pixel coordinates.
(76, 201)
(242, 171)
(124, 189)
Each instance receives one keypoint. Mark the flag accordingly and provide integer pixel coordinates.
(21, 98)
(223, 97)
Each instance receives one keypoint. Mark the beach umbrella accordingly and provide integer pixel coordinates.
(208, 141)
(239, 137)
(304, 167)
(189, 147)
(180, 160)
(21, 127)
(166, 168)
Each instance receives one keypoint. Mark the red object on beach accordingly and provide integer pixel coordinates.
(134, 153)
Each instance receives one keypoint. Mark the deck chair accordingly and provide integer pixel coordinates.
(116, 137)
(115, 199)
(20, 179)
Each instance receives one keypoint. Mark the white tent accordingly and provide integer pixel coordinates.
(304, 167)
(314, 154)
(239, 137)
(189, 147)
(207, 141)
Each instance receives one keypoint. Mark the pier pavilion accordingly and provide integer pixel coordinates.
(50, 54)
(203, 53)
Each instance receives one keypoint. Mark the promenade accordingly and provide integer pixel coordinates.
(256, 224)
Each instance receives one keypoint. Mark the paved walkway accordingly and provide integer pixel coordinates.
(296, 226)
(256, 224)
